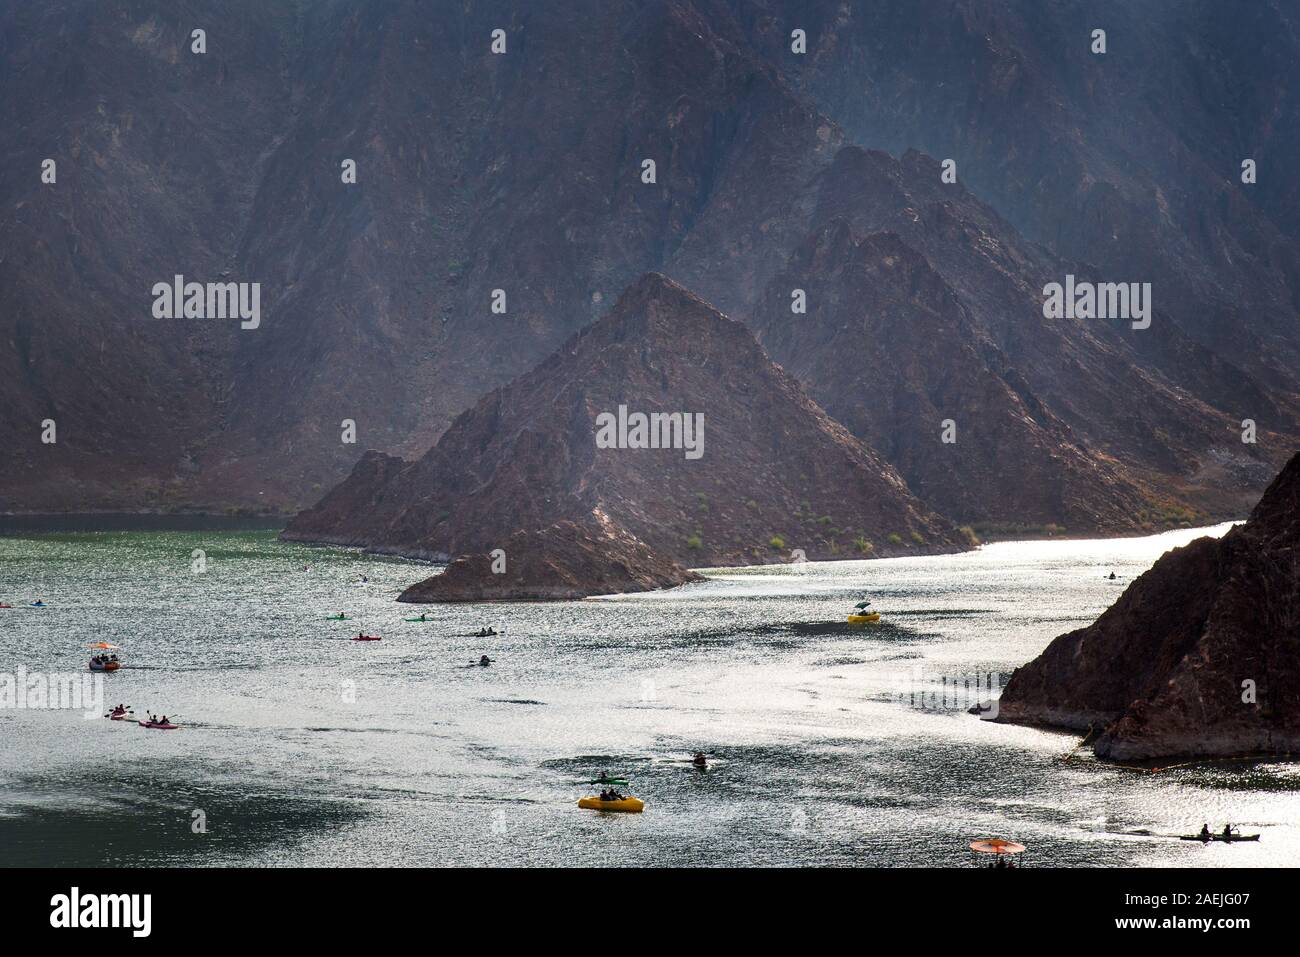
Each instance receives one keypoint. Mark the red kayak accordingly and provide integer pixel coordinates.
(158, 724)
(3, 605)
(367, 638)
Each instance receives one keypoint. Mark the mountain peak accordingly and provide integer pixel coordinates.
(761, 472)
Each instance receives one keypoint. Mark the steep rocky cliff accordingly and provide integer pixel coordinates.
(1200, 656)
(764, 472)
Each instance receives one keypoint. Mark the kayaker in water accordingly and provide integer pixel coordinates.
(1227, 832)
(1112, 576)
(700, 761)
(484, 661)
(1205, 832)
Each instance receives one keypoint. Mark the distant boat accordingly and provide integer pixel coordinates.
(1225, 838)
(862, 614)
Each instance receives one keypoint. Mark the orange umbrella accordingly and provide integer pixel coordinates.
(104, 644)
(995, 845)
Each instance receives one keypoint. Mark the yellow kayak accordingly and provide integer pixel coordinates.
(863, 619)
(630, 805)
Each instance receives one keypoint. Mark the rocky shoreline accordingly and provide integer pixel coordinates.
(1200, 657)
(561, 563)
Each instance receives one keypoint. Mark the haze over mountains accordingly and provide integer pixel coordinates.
(522, 172)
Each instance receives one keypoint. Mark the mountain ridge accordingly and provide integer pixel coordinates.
(775, 474)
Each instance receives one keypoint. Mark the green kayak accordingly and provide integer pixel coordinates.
(417, 619)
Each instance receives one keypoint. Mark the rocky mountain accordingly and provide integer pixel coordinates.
(1200, 656)
(502, 203)
(755, 471)
(1083, 422)
(875, 300)
(1129, 159)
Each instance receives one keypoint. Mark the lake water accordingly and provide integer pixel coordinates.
(828, 744)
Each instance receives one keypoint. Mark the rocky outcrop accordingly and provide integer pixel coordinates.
(767, 476)
(564, 561)
(1199, 657)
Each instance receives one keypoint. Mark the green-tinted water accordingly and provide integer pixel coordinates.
(828, 744)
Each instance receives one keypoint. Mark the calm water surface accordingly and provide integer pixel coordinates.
(828, 744)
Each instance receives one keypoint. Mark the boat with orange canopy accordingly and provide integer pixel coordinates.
(103, 661)
(1002, 850)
